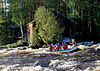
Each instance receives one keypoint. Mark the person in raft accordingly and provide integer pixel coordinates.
(58, 47)
(73, 43)
(51, 47)
(65, 46)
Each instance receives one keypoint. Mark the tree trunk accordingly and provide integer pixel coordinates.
(44, 3)
(2, 5)
(21, 28)
(5, 6)
(90, 26)
(66, 7)
(73, 11)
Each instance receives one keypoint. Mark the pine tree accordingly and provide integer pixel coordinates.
(47, 28)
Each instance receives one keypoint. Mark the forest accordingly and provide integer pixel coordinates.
(15, 15)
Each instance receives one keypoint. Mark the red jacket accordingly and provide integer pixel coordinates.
(65, 46)
(58, 47)
(51, 48)
(73, 43)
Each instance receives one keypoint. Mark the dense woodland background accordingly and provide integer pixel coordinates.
(16, 14)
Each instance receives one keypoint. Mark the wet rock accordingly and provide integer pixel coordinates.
(32, 68)
(22, 48)
(98, 49)
(91, 50)
(37, 63)
(73, 69)
(97, 68)
(97, 62)
(88, 69)
(79, 66)
(47, 69)
(62, 67)
(45, 63)
(54, 62)
(2, 67)
(9, 68)
(95, 45)
(3, 51)
(38, 68)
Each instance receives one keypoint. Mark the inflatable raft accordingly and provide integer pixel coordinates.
(69, 50)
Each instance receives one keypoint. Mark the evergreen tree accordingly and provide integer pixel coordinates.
(47, 28)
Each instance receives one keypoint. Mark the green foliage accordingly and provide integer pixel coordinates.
(14, 45)
(16, 11)
(71, 3)
(47, 29)
(2, 46)
(22, 10)
(5, 36)
(20, 42)
(36, 40)
(9, 45)
(98, 29)
(79, 10)
(2, 19)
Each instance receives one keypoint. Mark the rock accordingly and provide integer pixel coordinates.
(95, 45)
(72, 69)
(45, 63)
(32, 68)
(97, 68)
(91, 50)
(2, 67)
(37, 63)
(64, 66)
(38, 68)
(9, 68)
(22, 48)
(2, 51)
(98, 49)
(47, 69)
(88, 69)
(53, 62)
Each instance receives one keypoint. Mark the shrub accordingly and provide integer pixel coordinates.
(19, 42)
(13, 45)
(9, 46)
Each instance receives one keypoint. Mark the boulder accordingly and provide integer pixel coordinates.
(97, 68)
(37, 63)
(88, 69)
(54, 62)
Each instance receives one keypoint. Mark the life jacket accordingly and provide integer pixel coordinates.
(73, 43)
(51, 48)
(58, 47)
(65, 46)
